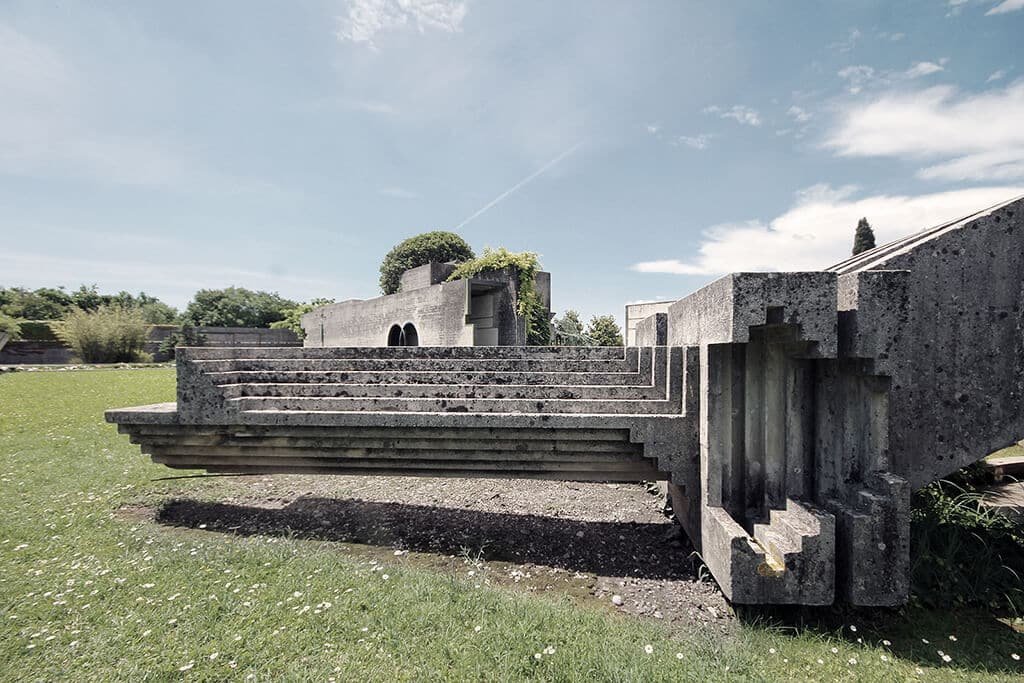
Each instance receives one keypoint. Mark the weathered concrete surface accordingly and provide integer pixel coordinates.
(476, 311)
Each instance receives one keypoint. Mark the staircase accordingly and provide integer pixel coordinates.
(575, 413)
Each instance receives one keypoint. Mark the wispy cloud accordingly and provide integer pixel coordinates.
(365, 19)
(700, 142)
(1006, 6)
(925, 69)
(398, 193)
(799, 114)
(1003, 7)
(996, 75)
(818, 229)
(940, 125)
(856, 77)
(849, 42)
(518, 186)
(738, 113)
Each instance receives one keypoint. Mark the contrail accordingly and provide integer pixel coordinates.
(501, 197)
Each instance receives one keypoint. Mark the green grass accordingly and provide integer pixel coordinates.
(91, 593)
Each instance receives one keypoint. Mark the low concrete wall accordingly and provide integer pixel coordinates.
(35, 353)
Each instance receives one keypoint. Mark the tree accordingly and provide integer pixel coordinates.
(236, 307)
(293, 317)
(438, 246)
(10, 329)
(569, 330)
(864, 239)
(45, 303)
(604, 331)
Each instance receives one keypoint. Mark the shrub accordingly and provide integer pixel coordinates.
(9, 327)
(37, 330)
(293, 317)
(528, 304)
(438, 246)
(186, 336)
(568, 330)
(962, 552)
(110, 334)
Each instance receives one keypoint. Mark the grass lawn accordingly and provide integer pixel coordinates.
(91, 593)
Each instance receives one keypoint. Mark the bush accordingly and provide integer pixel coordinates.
(110, 334)
(186, 336)
(236, 307)
(37, 330)
(962, 552)
(569, 330)
(293, 317)
(9, 327)
(438, 246)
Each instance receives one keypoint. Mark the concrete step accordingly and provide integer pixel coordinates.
(277, 376)
(476, 405)
(445, 391)
(494, 365)
(421, 352)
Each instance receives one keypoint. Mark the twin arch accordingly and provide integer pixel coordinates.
(405, 335)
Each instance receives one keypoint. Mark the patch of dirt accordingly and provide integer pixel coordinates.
(607, 543)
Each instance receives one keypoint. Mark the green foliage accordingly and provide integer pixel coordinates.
(604, 331)
(568, 330)
(293, 316)
(962, 552)
(528, 305)
(110, 334)
(9, 327)
(154, 311)
(236, 307)
(438, 246)
(37, 330)
(864, 239)
(186, 336)
(45, 303)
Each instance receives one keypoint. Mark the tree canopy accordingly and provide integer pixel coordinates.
(604, 331)
(236, 307)
(569, 330)
(864, 238)
(438, 246)
(293, 316)
(50, 303)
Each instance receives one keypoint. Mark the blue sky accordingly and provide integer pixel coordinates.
(641, 148)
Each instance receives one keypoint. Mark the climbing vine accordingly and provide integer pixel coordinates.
(528, 305)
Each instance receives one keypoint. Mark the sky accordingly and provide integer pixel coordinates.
(642, 149)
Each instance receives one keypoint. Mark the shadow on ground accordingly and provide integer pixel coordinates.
(651, 551)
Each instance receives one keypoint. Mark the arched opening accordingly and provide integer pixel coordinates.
(395, 336)
(410, 336)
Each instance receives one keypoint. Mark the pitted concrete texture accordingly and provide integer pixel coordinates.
(791, 414)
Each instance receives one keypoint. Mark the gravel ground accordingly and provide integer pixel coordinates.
(604, 543)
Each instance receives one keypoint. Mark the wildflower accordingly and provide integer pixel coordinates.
(953, 638)
(1015, 657)
(924, 640)
(649, 649)
(385, 577)
(835, 650)
(886, 643)
(214, 655)
(851, 661)
(885, 658)
(537, 656)
(771, 650)
(186, 667)
(820, 660)
(947, 659)
(679, 655)
(853, 628)
(476, 629)
(232, 664)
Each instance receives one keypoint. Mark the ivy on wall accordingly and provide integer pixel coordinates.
(528, 304)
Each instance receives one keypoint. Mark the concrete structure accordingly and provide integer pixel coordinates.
(637, 313)
(430, 311)
(791, 413)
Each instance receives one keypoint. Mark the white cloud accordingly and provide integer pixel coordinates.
(849, 42)
(818, 230)
(365, 19)
(702, 141)
(740, 114)
(924, 69)
(799, 114)
(653, 128)
(1006, 6)
(997, 75)
(856, 77)
(968, 137)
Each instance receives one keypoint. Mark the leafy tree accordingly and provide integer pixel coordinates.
(864, 239)
(109, 334)
(236, 307)
(293, 317)
(438, 246)
(9, 328)
(604, 331)
(45, 303)
(186, 336)
(569, 330)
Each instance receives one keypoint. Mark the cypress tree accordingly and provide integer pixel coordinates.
(864, 239)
